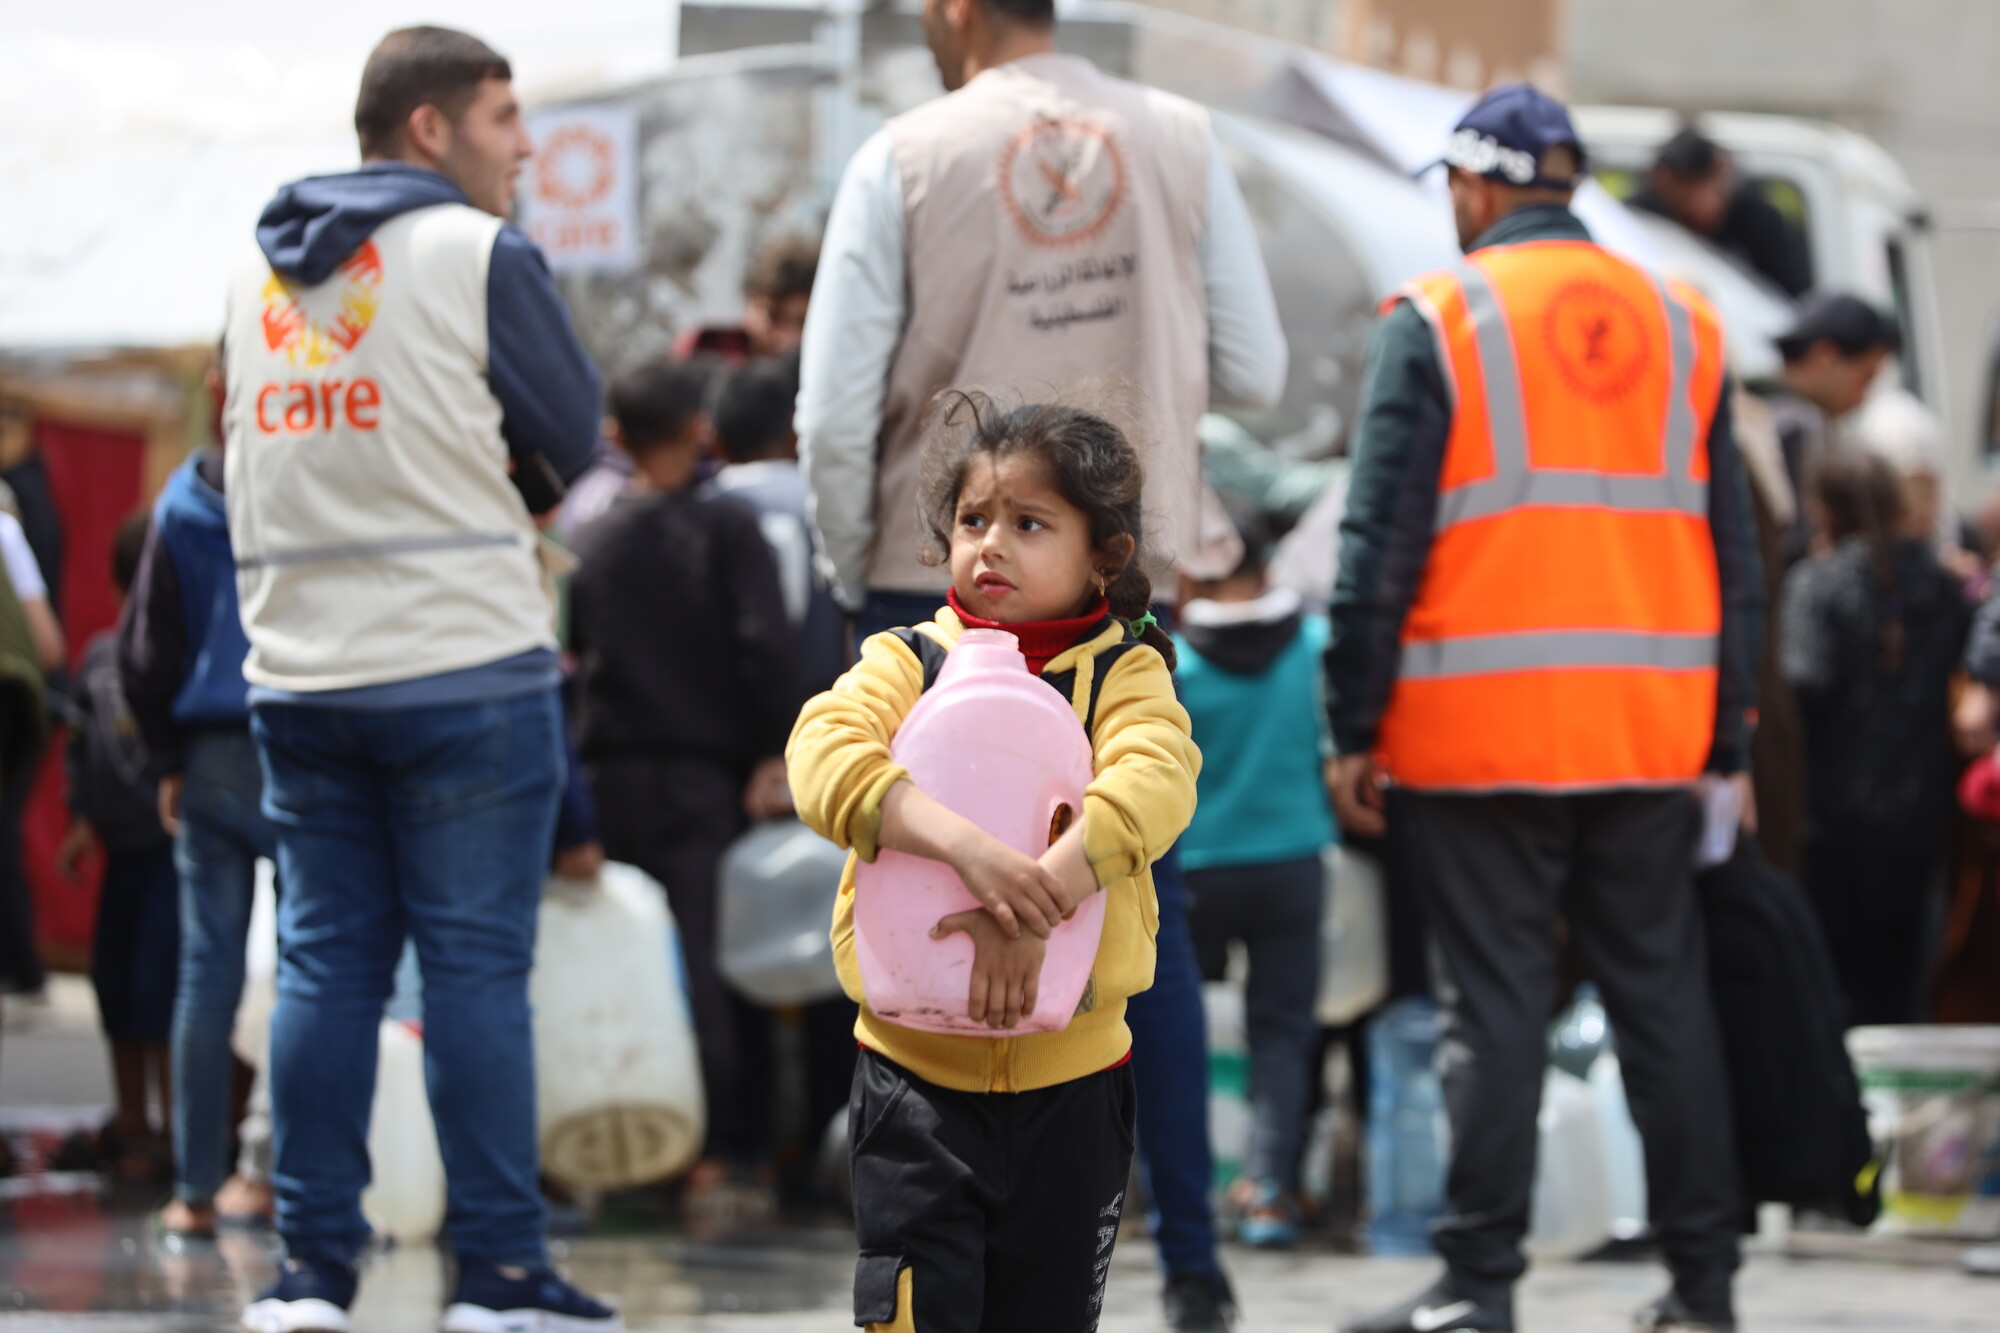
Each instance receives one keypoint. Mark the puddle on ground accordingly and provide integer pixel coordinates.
(85, 1256)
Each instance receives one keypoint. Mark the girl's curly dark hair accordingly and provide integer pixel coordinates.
(1091, 462)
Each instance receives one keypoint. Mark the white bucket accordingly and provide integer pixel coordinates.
(405, 1198)
(1933, 1099)
(618, 1082)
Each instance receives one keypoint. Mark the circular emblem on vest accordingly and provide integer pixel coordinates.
(576, 167)
(1600, 342)
(340, 313)
(1063, 180)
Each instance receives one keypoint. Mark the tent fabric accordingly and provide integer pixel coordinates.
(127, 243)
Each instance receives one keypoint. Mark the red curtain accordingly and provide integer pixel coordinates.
(95, 476)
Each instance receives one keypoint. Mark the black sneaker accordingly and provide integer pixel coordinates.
(1199, 1303)
(1445, 1308)
(1671, 1314)
(308, 1297)
(496, 1299)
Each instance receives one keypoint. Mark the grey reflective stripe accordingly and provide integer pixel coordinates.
(322, 555)
(1680, 401)
(1514, 483)
(1500, 374)
(1542, 650)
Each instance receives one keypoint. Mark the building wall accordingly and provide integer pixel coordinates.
(1313, 23)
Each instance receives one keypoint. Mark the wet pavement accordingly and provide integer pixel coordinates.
(76, 1259)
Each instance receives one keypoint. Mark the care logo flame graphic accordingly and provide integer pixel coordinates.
(576, 168)
(310, 343)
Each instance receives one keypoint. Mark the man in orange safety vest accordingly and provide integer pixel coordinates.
(1544, 642)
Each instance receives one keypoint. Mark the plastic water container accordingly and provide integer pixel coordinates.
(1409, 1139)
(1230, 1120)
(1582, 1035)
(778, 886)
(405, 1198)
(993, 743)
(1624, 1153)
(1571, 1212)
(1933, 1099)
(618, 1085)
(251, 1036)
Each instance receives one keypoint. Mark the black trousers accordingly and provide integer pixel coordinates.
(1496, 873)
(674, 818)
(1873, 896)
(986, 1212)
(1274, 908)
(20, 958)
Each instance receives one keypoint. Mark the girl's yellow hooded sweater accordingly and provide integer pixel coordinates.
(1140, 801)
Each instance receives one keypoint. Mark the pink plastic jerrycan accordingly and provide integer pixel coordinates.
(995, 744)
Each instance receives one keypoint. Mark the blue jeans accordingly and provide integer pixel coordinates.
(1170, 1061)
(1169, 1037)
(223, 832)
(437, 822)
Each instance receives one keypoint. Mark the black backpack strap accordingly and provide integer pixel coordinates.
(1064, 682)
(929, 652)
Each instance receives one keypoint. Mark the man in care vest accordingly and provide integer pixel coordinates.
(404, 387)
(1042, 226)
(1543, 638)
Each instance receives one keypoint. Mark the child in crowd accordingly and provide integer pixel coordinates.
(1870, 633)
(135, 958)
(752, 419)
(181, 648)
(685, 690)
(989, 1174)
(776, 291)
(1249, 675)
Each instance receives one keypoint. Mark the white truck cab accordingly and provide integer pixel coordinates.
(1864, 223)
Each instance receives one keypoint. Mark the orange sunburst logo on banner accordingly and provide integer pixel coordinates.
(311, 343)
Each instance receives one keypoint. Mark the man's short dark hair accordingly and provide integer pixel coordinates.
(1690, 156)
(1854, 327)
(415, 67)
(784, 268)
(654, 401)
(1027, 13)
(753, 409)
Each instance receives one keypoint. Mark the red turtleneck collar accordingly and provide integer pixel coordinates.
(1042, 641)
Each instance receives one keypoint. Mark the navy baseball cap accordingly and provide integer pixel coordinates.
(1506, 133)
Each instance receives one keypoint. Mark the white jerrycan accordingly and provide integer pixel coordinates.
(617, 1080)
(405, 1198)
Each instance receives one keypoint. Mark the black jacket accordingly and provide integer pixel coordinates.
(1879, 759)
(683, 647)
(1385, 537)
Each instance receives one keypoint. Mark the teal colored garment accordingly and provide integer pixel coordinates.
(1262, 796)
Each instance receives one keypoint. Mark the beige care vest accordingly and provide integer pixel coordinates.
(1053, 216)
(377, 535)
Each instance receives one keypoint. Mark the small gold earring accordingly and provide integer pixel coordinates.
(1101, 585)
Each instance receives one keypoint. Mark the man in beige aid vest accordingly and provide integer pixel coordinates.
(1041, 227)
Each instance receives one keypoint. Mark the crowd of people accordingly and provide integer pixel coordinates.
(1554, 619)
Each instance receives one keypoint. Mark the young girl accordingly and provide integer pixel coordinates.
(989, 1173)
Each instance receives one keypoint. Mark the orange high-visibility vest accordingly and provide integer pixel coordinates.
(1564, 634)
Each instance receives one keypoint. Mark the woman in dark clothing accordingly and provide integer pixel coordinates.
(1872, 630)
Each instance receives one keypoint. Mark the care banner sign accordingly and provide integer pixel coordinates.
(580, 192)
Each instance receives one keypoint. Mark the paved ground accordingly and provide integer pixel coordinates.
(75, 1261)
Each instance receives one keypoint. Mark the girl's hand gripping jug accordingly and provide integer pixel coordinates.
(995, 744)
